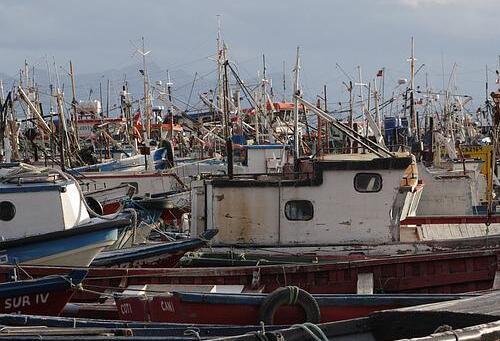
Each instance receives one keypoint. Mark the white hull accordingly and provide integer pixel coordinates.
(81, 257)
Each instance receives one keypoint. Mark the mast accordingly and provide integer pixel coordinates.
(284, 82)
(147, 106)
(227, 133)
(351, 106)
(74, 103)
(170, 109)
(63, 143)
(28, 90)
(363, 109)
(413, 116)
(264, 93)
(126, 113)
(107, 98)
(378, 118)
(296, 92)
(220, 58)
(256, 115)
(263, 98)
(225, 103)
(383, 92)
(327, 132)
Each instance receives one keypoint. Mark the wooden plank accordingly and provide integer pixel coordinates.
(365, 283)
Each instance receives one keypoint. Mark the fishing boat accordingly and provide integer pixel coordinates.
(458, 271)
(280, 307)
(58, 232)
(471, 318)
(342, 199)
(339, 202)
(155, 255)
(41, 296)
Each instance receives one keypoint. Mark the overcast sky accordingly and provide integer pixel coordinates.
(98, 35)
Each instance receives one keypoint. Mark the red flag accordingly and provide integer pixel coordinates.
(380, 73)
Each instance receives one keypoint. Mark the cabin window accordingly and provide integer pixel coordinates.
(299, 210)
(7, 211)
(368, 182)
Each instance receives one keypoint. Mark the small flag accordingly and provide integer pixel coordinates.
(380, 73)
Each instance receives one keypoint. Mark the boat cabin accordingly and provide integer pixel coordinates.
(36, 203)
(351, 199)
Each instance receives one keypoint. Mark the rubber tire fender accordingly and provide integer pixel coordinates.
(280, 297)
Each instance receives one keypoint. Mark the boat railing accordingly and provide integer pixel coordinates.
(361, 150)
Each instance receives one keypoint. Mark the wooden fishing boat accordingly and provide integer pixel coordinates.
(42, 296)
(58, 232)
(474, 318)
(438, 272)
(164, 255)
(251, 308)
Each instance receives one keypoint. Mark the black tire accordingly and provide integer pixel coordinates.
(281, 296)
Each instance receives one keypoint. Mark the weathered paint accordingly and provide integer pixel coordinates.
(243, 309)
(256, 214)
(450, 192)
(451, 272)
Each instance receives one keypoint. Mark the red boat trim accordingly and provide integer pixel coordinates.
(429, 220)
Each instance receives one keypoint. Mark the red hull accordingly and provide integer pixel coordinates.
(453, 272)
(47, 303)
(172, 309)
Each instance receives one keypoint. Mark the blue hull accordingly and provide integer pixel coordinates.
(31, 249)
(146, 254)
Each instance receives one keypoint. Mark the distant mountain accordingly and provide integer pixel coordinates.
(94, 85)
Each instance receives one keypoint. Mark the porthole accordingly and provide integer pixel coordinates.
(7, 211)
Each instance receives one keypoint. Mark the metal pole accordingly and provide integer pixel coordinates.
(296, 93)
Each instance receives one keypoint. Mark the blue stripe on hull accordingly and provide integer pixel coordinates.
(50, 283)
(41, 249)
